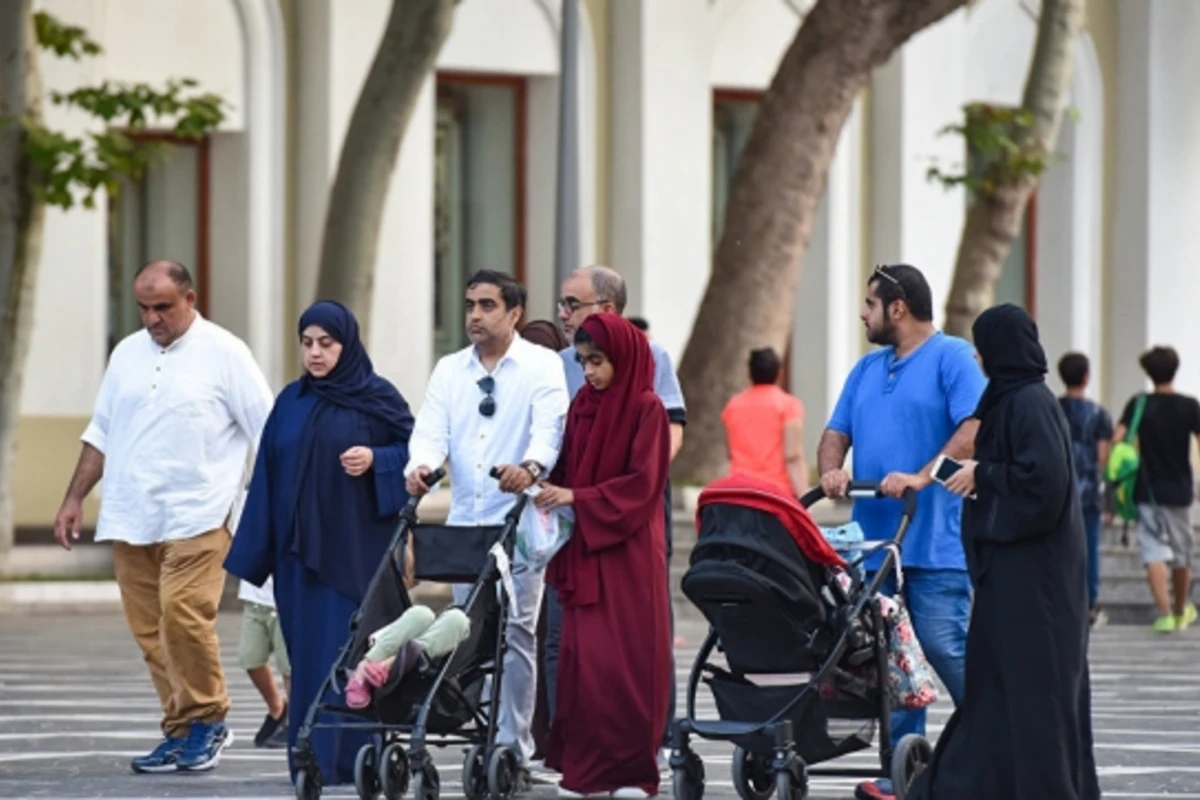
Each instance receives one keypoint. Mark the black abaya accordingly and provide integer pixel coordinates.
(1024, 727)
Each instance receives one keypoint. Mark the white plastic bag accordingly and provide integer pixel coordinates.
(541, 534)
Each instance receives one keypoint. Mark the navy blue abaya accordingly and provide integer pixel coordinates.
(319, 531)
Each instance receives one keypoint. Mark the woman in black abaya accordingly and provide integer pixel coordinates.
(1024, 729)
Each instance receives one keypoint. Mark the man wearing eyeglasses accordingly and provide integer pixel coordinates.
(901, 407)
(501, 402)
(593, 290)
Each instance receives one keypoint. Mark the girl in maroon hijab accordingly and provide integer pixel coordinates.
(614, 666)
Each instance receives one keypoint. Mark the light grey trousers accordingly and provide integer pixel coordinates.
(518, 686)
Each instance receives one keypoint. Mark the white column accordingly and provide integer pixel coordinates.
(662, 160)
(1069, 239)
(1156, 238)
(825, 331)
(265, 92)
(920, 91)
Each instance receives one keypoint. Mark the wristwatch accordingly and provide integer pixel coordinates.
(533, 468)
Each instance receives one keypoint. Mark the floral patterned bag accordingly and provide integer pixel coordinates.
(910, 680)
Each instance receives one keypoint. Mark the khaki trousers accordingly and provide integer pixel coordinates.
(171, 591)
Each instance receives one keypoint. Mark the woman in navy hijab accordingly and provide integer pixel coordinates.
(322, 506)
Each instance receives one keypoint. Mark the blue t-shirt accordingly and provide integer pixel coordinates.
(899, 414)
(666, 384)
(1089, 424)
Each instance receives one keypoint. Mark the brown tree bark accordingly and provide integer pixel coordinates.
(21, 218)
(408, 51)
(994, 220)
(779, 181)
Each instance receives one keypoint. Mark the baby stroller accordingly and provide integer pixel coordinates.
(762, 573)
(443, 699)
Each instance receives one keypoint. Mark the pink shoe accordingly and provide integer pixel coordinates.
(357, 694)
(376, 673)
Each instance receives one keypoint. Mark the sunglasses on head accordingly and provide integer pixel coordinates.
(881, 272)
(487, 406)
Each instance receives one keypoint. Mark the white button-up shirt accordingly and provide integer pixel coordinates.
(176, 425)
(531, 408)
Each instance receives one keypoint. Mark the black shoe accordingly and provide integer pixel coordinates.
(271, 725)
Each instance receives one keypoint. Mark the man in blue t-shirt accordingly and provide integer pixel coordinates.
(587, 291)
(901, 406)
(1091, 434)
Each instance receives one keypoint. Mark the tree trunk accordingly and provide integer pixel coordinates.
(411, 41)
(779, 181)
(21, 216)
(994, 221)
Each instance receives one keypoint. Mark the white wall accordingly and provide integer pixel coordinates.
(1156, 239)
(918, 92)
(181, 38)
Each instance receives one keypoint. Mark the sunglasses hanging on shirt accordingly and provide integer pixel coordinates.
(487, 406)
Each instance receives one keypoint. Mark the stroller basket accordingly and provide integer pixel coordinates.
(739, 699)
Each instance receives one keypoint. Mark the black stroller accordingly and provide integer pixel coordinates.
(443, 699)
(762, 573)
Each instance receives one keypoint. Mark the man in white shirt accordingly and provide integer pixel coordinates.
(501, 402)
(181, 404)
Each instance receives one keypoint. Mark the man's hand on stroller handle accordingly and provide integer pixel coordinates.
(896, 482)
(423, 479)
(835, 482)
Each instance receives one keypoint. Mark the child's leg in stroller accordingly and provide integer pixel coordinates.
(449, 630)
(411, 624)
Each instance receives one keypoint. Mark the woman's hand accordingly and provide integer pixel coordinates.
(962, 482)
(357, 460)
(551, 497)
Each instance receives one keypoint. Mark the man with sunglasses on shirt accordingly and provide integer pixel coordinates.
(501, 402)
(901, 407)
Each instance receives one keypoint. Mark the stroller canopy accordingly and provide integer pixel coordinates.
(750, 492)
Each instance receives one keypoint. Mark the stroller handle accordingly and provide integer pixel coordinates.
(435, 477)
(865, 489)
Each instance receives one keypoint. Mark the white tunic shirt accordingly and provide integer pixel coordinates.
(531, 409)
(176, 426)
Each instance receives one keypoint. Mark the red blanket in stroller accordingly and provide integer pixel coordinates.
(744, 490)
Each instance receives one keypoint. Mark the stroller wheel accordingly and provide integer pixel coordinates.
(475, 773)
(366, 773)
(426, 784)
(502, 773)
(752, 776)
(688, 780)
(392, 771)
(910, 758)
(308, 785)
(787, 787)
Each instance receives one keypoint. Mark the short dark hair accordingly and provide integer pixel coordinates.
(1160, 364)
(764, 366)
(1073, 368)
(178, 273)
(903, 282)
(583, 337)
(511, 292)
(640, 323)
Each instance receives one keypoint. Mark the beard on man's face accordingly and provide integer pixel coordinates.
(884, 334)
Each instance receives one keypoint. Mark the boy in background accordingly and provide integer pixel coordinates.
(1091, 434)
(262, 637)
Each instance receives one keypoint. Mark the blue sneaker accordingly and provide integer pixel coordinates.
(203, 747)
(163, 758)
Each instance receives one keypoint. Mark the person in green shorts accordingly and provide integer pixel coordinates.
(261, 638)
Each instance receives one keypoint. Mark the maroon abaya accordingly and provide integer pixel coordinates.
(614, 664)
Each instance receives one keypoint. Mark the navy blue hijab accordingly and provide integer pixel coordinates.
(336, 518)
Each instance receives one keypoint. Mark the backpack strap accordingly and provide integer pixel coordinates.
(1138, 408)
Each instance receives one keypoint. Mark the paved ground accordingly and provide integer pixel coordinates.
(76, 704)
